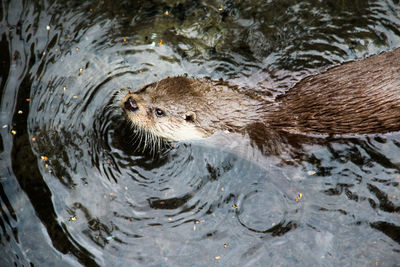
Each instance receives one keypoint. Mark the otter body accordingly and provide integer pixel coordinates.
(359, 97)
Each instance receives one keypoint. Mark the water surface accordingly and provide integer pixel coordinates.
(76, 189)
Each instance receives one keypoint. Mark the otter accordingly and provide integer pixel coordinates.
(355, 98)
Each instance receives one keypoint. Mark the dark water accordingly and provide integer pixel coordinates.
(75, 190)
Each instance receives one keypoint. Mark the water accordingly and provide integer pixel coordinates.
(76, 190)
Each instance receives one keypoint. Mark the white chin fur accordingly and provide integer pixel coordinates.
(185, 132)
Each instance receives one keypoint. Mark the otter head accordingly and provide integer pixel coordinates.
(166, 109)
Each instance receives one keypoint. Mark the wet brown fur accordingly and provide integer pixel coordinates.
(359, 97)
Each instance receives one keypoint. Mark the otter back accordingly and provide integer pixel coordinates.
(359, 97)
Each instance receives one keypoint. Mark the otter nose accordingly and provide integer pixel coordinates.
(131, 105)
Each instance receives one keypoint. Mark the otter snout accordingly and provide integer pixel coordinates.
(131, 104)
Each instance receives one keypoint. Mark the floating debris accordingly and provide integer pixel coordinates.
(299, 196)
(108, 238)
(311, 172)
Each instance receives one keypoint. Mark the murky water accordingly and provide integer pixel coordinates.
(75, 189)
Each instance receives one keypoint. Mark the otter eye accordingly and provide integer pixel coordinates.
(159, 112)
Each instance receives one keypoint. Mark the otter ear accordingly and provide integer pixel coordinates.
(190, 116)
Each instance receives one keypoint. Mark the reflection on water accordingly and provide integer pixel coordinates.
(76, 187)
